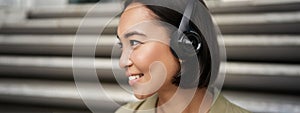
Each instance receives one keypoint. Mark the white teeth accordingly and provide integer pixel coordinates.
(133, 77)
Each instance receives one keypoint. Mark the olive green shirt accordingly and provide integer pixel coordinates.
(221, 105)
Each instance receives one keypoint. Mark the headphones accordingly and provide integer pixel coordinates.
(186, 42)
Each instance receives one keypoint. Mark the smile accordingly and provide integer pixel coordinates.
(134, 78)
(137, 76)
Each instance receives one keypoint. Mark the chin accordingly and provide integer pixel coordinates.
(141, 97)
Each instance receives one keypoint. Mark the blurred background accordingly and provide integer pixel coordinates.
(36, 39)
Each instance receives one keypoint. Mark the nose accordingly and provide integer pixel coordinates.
(125, 60)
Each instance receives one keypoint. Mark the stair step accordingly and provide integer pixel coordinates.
(280, 78)
(53, 44)
(265, 23)
(261, 18)
(219, 7)
(276, 48)
(258, 102)
(51, 67)
(61, 26)
(255, 76)
(253, 6)
(62, 93)
(271, 48)
(75, 11)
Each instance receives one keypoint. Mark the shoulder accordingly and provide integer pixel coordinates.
(131, 107)
(222, 105)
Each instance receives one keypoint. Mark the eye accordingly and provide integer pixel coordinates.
(135, 42)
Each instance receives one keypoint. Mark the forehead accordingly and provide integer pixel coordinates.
(133, 14)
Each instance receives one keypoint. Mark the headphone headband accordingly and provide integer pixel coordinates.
(184, 24)
(186, 42)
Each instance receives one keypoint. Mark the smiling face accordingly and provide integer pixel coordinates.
(146, 55)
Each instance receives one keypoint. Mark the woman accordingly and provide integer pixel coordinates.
(164, 76)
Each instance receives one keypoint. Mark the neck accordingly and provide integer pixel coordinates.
(184, 100)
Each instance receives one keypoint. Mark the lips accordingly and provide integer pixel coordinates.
(133, 78)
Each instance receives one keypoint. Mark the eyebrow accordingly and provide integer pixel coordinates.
(129, 34)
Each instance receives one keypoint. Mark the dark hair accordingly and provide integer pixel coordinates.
(174, 18)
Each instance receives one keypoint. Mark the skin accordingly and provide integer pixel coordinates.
(145, 49)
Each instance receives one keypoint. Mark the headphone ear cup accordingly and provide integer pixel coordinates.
(194, 43)
(186, 45)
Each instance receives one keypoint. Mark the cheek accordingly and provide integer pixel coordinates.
(144, 56)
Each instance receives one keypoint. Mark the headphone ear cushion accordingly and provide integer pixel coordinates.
(194, 43)
(186, 45)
